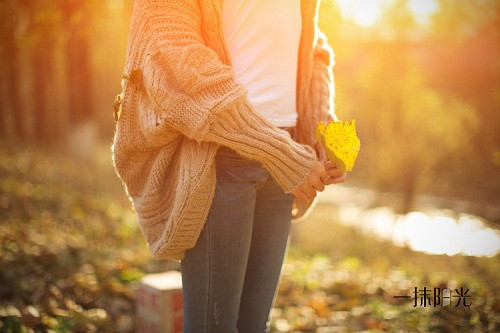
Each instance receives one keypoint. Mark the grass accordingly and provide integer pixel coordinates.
(350, 281)
(71, 255)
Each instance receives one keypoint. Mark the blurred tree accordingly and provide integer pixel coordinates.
(9, 56)
(398, 21)
(57, 73)
(419, 138)
(329, 20)
(462, 61)
(44, 24)
(76, 18)
(425, 97)
(460, 20)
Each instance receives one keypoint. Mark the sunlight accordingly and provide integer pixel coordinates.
(363, 12)
(435, 232)
(366, 13)
(442, 234)
(423, 9)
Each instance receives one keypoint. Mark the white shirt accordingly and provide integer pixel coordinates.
(262, 37)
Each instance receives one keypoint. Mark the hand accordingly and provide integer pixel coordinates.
(314, 182)
(320, 152)
(334, 175)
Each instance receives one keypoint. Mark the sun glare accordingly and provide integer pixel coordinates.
(363, 12)
(366, 13)
(434, 232)
(423, 9)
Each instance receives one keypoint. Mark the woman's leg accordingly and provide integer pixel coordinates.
(269, 241)
(213, 272)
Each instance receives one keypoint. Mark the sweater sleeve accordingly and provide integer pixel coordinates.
(194, 93)
(318, 101)
(322, 77)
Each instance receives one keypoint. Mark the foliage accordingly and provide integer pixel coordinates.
(410, 85)
(459, 20)
(423, 96)
(340, 142)
(52, 57)
(71, 255)
(416, 132)
(336, 280)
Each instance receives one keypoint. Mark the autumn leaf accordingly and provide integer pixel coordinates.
(340, 142)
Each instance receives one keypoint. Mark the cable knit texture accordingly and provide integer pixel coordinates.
(180, 103)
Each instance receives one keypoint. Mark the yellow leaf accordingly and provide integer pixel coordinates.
(340, 142)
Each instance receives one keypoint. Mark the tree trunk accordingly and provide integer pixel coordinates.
(13, 91)
(78, 62)
(11, 97)
(41, 67)
(82, 133)
(3, 98)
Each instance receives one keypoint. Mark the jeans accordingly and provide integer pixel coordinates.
(230, 277)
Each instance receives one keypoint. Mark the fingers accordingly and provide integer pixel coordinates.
(339, 179)
(328, 164)
(333, 172)
(317, 177)
(320, 152)
(314, 182)
(335, 176)
(305, 193)
(336, 180)
(301, 196)
(317, 183)
(309, 191)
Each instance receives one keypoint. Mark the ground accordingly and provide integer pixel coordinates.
(71, 256)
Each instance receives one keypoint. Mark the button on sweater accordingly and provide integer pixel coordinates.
(180, 103)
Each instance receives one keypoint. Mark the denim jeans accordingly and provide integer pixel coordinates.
(230, 277)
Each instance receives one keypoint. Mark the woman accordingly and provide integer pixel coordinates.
(215, 139)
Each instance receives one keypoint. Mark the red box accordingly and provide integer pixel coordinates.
(159, 303)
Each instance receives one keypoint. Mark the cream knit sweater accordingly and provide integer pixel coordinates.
(180, 103)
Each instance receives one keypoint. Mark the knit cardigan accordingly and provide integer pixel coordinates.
(180, 103)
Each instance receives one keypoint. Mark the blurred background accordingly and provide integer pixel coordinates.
(421, 208)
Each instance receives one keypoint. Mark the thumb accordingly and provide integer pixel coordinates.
(320, 152)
